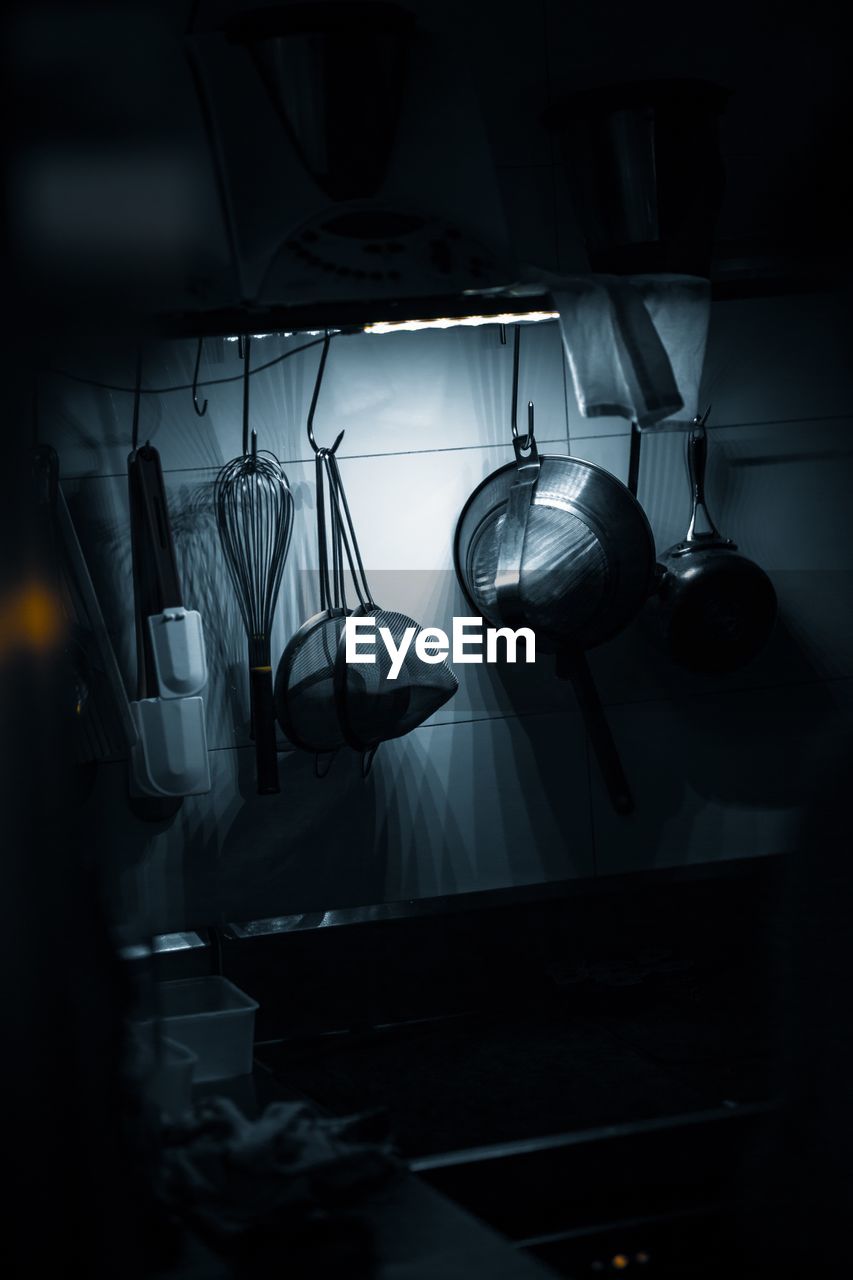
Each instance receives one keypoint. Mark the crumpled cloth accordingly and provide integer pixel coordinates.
(229, 1175)
(635, 344)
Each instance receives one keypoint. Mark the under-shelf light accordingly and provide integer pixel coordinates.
(448, 322)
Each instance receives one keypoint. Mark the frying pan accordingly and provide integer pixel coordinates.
(717, 607)
(561, 546)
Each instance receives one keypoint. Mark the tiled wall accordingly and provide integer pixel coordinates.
(498, 789)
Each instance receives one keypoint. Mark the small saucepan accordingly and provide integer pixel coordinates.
(717, 607)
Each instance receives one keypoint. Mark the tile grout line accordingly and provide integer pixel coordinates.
(570, 710)
(345, 457)
(467, 448)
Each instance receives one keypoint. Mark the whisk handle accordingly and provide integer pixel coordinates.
(263, 720)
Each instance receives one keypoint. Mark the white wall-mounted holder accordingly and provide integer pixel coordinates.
(170, 758)
(177, 642)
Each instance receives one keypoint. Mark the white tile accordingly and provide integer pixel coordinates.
(609, 452)
(390, 393)
(484, 805)
(428, 820)
(405, 508)
(718, 777)
(439, 389)
(663, 487)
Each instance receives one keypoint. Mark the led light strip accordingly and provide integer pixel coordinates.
(512, 317)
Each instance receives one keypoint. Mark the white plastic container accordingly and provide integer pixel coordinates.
(215, 1020)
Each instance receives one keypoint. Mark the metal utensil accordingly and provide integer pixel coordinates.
(254, 515)
(171, 760)
(559, 545)
(322, 701)
(717, 607)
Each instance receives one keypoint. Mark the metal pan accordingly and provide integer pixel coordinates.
(717, 607)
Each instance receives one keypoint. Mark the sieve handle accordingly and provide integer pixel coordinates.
(263, 721)
(572, 665)
(346, 532)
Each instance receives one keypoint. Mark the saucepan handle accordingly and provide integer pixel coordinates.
(697, 461)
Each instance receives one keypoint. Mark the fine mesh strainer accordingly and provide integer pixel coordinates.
(322, 701)
(586, 558)
(559, 545)
(305, 680)
(372, 706)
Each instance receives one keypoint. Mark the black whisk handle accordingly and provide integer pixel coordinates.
(263, 721)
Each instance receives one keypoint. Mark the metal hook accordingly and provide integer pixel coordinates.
(320, 371)
(137, 400)
(528, 439)
(203, 410)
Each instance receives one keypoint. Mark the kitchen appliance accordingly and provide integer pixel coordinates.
(646, 172)
(355, 179)
(717, 607)
(559, 545)
(254, 516)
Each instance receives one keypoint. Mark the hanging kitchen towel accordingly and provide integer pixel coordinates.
(635, 345)
(680, 310)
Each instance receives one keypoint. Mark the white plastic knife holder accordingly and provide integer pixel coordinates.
(177, 641)
(170, 758)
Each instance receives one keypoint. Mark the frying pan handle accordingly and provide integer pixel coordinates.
(263, 722)
(572, 665)
(697, 461)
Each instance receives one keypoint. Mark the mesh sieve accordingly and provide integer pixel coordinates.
(305, 679)
(323, 701)
(372, 707)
